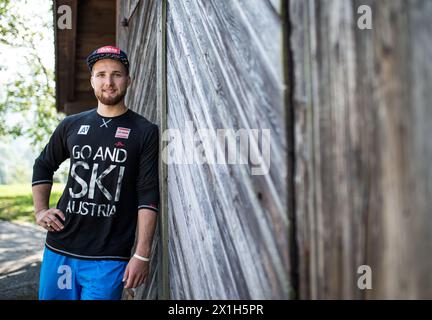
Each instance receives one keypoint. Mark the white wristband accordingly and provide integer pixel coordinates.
(141, 258)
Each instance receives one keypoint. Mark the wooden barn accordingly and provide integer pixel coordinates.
(348, 179)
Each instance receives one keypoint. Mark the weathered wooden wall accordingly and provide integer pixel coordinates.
(138, 37)
(363, 114)
(228, 229)
(362, 111)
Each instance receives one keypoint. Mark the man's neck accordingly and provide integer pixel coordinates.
(111, 111)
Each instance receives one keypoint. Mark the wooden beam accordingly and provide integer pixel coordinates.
(164, 292)
(65, 41)
(72, 51)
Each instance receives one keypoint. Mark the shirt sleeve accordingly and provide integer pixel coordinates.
(148, 176)
(54, 153)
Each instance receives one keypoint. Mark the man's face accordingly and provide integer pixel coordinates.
(110, 81)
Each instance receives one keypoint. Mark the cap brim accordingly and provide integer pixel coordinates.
(92, 59)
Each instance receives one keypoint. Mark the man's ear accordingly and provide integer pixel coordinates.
(91, 81)
(129, 81)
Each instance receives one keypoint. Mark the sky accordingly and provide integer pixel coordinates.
(34, 11)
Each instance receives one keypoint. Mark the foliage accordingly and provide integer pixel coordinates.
(16, 202)
(30, 94)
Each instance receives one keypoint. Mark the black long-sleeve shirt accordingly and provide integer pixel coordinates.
(113, 173)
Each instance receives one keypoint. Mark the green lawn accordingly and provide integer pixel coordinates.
(16, 202)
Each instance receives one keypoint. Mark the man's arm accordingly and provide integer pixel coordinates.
(45, 216)
(147, 187)
(41, 195)
(54, 153)
(137, 270)
(146, 228)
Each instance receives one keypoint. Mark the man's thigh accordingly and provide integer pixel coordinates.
(57, 279)
(102, 279)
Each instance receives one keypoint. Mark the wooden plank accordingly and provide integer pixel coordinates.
(221, 217)
(89, 31)
(65, 51)
(420, 172)
(288, 70)
(71, 46)
(139, 40)
(164, 285)
(328, 263)
(133, 5)
(361, 150)
(276, 6)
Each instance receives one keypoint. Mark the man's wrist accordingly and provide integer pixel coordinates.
(142, 250)
(40, 210)
(137, 256)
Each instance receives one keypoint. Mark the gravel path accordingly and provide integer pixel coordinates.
(21, 250)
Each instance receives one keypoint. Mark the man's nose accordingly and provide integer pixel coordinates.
(109, 80)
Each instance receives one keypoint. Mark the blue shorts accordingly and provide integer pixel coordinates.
(65, 278)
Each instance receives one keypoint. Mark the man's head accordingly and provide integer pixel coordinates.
(109, 74)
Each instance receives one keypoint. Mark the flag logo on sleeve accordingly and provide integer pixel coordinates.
(122, 133)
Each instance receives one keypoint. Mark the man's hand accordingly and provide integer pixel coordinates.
(48, 219)
(136, 273)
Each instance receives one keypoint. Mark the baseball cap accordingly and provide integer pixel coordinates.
(107, 52)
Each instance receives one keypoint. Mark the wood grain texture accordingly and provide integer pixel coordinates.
(93, 26)
(138, 40)
(363, 153)
(161, 60)
(228, 228)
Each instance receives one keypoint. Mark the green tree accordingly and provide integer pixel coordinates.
(30, 95)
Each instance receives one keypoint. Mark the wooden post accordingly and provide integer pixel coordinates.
(163, 288)
(363, 152)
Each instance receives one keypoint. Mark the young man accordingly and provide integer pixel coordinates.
(112, 187)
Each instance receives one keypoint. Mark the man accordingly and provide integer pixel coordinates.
(112, 187)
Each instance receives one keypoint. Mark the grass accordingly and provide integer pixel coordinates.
(16, 201)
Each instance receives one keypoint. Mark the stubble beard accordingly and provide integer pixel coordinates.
(110, 101)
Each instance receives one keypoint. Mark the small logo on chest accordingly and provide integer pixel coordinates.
(122, 133)
(83, 129)
(105, 123)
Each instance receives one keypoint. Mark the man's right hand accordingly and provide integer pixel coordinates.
(48, 219)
